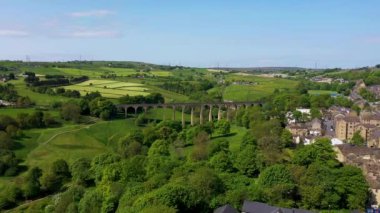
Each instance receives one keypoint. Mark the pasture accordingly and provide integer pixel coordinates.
(38, 98)
(80, 72)
(110, 89)
(40, 147)
(261, 87)
(123, 72)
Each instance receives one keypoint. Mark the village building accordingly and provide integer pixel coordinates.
(368, 159)
(322, 80)
(375, 89)
(306, 132)
(257, 207)
(366, 124)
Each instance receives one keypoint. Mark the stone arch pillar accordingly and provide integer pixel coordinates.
(219, 112)
(192, 116)
(183, 116)
(126, 112)
(210, 114)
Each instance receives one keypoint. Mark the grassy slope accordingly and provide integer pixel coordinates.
(39, 99)
(40, 147)
(265, 87)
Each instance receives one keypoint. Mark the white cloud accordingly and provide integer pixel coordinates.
(91, 13)
(13, 33)
(93, 34)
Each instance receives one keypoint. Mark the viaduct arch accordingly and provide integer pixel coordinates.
(192, 106)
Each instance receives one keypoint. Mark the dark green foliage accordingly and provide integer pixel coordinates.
(71, 111)
(99, 163)
(286, 138)
(218, 146)
(56, 176)
(8, 163)
(247, 161)
(5, 140)
(357, 139)
(8, 93)
(68, 201)
(158, 209)
(91, 202)
(80, 171)
(320, 151)
(102, 108)
(32, 185)
(222, 127)
(153, 98)
(9, 196)
(367, 95)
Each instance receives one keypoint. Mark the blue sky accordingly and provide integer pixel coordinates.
(329, 33)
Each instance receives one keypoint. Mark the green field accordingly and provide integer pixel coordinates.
(38, 98)
(40, 147)
(80, 72)
(120, 71)
(161, 73)
(264, 87)
(110, 89)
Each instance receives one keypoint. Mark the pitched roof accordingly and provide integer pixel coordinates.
(226, 209)
(257, 207)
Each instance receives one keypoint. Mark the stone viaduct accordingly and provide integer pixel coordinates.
(227, 106)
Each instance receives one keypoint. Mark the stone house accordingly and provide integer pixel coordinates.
(368, 159)
(347, 125)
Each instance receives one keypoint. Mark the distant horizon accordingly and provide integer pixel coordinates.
(210, 67)
(262, 33)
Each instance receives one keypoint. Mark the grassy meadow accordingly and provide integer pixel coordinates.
(263, 86)
(110, 89)
(38, 98)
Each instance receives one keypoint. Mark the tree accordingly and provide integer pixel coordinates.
(57, 174)
(8, 163)
(32, 184)
(5, 141)
(91, 202)
(246, 161)
(357, 139)
(103, 108)
(286, 138)
(158, 209)
(320, 151)
(199, 151)
(71, 111)
(221, 162)
(223, 127)
(277, 185)
(218, 146)
(206, 183)
(315, 113)
(80, 171)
